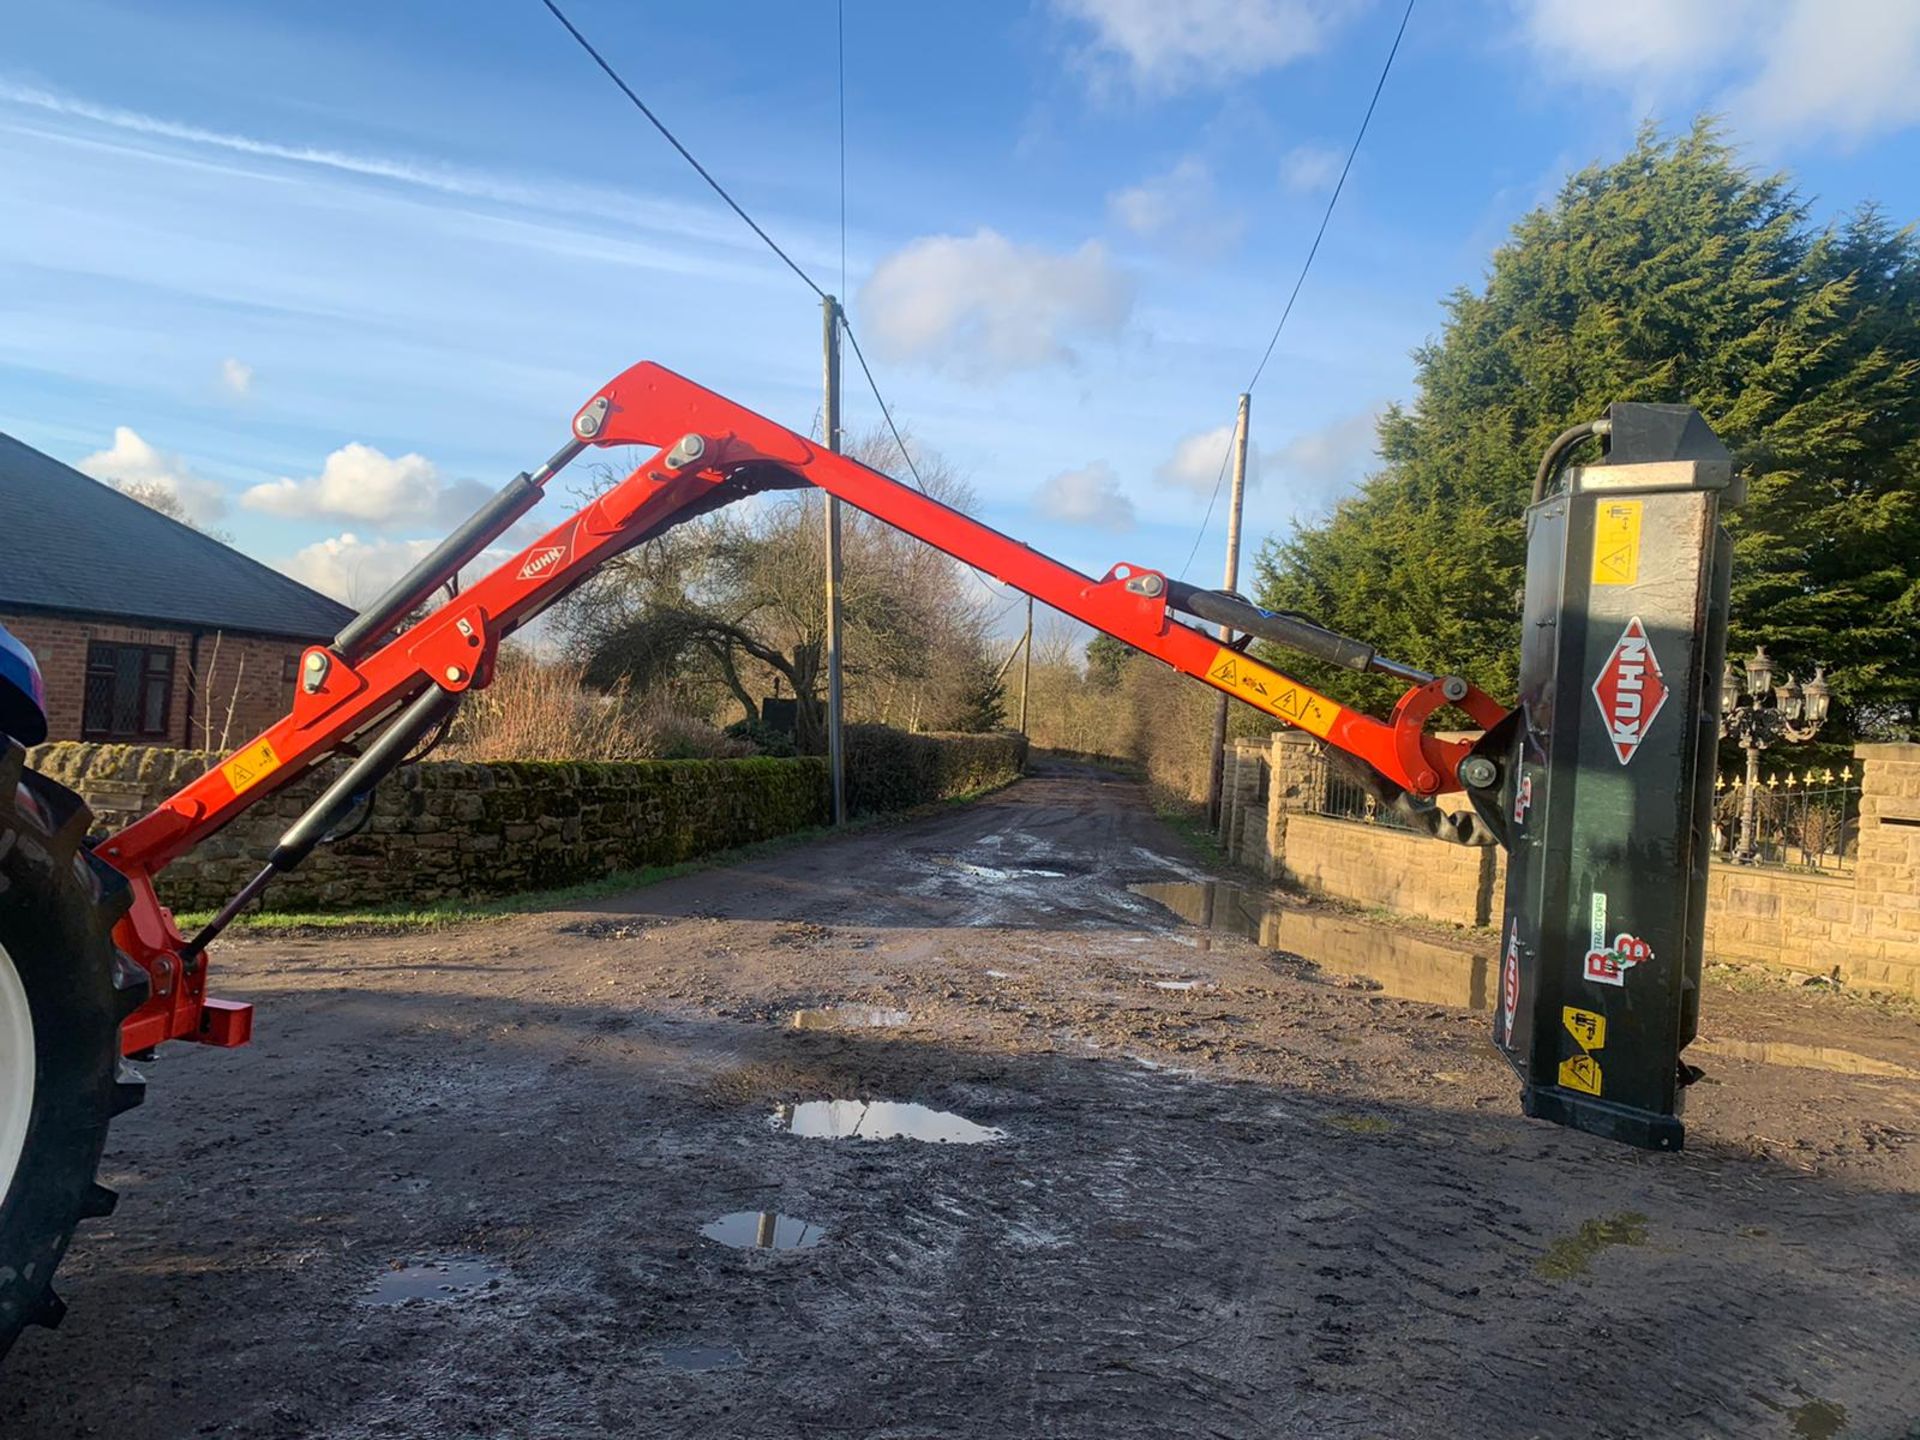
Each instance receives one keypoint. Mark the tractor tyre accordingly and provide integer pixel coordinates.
(64, 989)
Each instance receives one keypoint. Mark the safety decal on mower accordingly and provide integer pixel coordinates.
(1630, 690)
(1581, 1071)
(1616, 543)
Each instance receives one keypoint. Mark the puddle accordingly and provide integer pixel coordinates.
(1803, 1057)
(995, 872)
(1409, 972)
(879, 1120)
(764, 1230)
(1571, 1256)
(849, 1017)
(1181, 985)
(436, 1280)
(1818, 1419)
(695, 1358)
(999, 975)
(1814, 1418)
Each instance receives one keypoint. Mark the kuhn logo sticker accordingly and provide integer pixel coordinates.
(1510, 985)
(1630, 690)
(1609, 966)
(544, 561)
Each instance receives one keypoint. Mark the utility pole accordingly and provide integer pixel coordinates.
(1026, 667)
(830, 424)
(1216, 763)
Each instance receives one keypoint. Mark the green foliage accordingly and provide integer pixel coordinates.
(1106, 658)
(1672, 275)
(978, 702)
(891, 769)
(767, 739)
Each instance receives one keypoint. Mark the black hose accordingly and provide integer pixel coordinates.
(1557, 452)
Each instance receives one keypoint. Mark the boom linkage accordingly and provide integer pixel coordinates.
(706, 452)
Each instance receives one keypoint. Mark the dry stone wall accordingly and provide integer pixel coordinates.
(446, 829)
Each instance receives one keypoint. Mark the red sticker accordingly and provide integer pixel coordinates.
(1510, 985)
(1630, 690)
(1610, 967)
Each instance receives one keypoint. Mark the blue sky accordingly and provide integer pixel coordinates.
(332, 272)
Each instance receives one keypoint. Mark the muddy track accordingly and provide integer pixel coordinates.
(1267, 1205)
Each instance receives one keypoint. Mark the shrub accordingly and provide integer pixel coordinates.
(539, 710)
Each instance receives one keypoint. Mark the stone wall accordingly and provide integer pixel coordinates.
(1863, 926)
(1886, 917)
(1375, 865)
(446, 829)
(1796, 920)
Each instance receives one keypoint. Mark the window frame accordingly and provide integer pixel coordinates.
(158, 665)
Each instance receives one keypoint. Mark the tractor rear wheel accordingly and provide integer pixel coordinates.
(64, 989)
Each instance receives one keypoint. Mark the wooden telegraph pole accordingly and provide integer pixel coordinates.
(1217, 762)
(830, 424)
(1026, 667)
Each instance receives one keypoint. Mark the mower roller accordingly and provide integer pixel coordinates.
(1598, 782)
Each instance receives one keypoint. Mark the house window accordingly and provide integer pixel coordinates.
(129, 692)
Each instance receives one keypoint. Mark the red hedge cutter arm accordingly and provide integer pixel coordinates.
(706, 452)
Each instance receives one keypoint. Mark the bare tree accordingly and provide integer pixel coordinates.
(734, 603)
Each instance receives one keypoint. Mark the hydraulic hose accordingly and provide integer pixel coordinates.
(1557, 452)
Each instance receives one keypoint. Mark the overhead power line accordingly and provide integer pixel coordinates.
(1307, 265)
(685, 154)
(754, 225)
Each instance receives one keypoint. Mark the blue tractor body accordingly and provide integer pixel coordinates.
(23, 698)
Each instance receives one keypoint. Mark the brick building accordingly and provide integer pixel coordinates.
(147, 631)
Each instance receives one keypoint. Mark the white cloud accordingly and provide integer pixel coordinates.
(1090, 495)
(1798, 69)
(1196, 462)
(1168, 45)
(358, 482)
(1634, 40)
(237, 376)
(353, 570)
(985, 305)
(1181, 206)
(1309, 168)
(1850, 69)
(1311, 469)
(134, 465)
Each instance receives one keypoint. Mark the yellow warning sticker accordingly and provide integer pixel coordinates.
(1589, 1027)
(1272, 692)
(251, 766)
(1616, 543)
(1581, 1073)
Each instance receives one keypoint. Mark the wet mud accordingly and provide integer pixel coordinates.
(1224, 1192)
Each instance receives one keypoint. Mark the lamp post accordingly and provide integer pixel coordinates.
(1763, 716)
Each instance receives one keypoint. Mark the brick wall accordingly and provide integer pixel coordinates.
(226, 688)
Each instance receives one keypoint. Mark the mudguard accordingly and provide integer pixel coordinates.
(23, 697)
